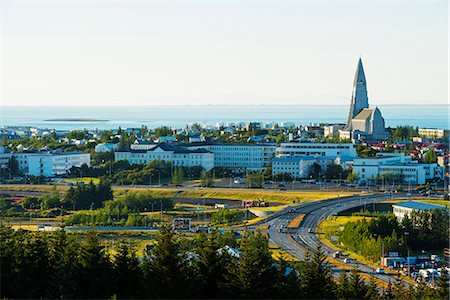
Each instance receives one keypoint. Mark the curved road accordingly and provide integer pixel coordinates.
(295, 241)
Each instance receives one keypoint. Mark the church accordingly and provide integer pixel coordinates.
(363, 122)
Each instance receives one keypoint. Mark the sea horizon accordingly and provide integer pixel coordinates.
(70, 117)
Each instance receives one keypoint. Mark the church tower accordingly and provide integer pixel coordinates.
(359, 95)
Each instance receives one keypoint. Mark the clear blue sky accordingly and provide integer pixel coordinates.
(226, 52)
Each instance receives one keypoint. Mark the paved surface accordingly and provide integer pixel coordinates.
(295, 241)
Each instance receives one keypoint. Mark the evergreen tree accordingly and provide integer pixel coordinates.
(388, 293)
(127, 277)
(442, 289)
(372, 290)
(317, 277)
(94, 278)
(254, 274)
(343, 287)
(287, 284)
(213, 266)
(13, 166)
(430, 156)
(62, 278)
(163, 267)
(357, 286)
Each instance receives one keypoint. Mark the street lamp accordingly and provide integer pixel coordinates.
(407, 251)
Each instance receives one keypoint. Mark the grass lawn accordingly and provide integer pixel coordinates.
(295, 223)
(85, 180)
(267, 195)
(278, 253)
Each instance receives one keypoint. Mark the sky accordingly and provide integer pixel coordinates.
(222, 52)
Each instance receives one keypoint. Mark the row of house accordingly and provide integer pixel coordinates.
(293, 158)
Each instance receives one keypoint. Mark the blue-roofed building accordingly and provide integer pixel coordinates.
(406, 208)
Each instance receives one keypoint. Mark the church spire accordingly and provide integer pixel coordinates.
(359, 95)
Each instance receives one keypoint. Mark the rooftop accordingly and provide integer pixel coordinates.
(418, 205)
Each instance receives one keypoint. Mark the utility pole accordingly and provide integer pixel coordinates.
(161, 212)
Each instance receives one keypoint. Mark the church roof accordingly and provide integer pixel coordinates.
(359, 75)
(364, 114)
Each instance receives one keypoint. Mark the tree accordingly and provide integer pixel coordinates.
(178, 175)
(254, 274)
(94, 278)
(317, 279)
(163, 267)
(163, 131)
(442, 289)
(357, 286)
(62, 282)
(127, 277)
(353, 177)
(430, 156)
(13, 166)
(78, 134)
(334, 171)
(205, 179)
(315, 171)
(213, 267)
(253, 179)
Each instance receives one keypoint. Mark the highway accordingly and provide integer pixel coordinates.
(295, 241)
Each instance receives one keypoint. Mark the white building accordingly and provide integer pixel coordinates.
(253, 157)
(395, 163)
(106, 147)
(406, 208)
(315, 149)
(432, 133)
(55, 163)
(332, 131)
(177, 155)
(299, 167)
(46, 163)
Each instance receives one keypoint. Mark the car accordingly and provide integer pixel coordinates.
(347, 260)
(281, 185)
(379, 271)
(282, 189)
(310, 230)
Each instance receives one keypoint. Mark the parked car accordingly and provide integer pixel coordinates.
(379, 271)
(347, 260)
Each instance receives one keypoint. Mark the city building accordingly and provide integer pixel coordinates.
(55, 163)
(362, 118)
(106, 147)
(406, 208)
(315, 149)
(396, 164)
(432, 133)
(299, 167)
(252, 157)
(332, 131)
(179, 156)
(46, 163)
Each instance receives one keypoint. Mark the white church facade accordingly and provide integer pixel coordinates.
(362, 120)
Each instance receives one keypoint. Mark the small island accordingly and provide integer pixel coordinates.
(75, 120)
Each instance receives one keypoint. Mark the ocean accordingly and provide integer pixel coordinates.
(109, 117)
